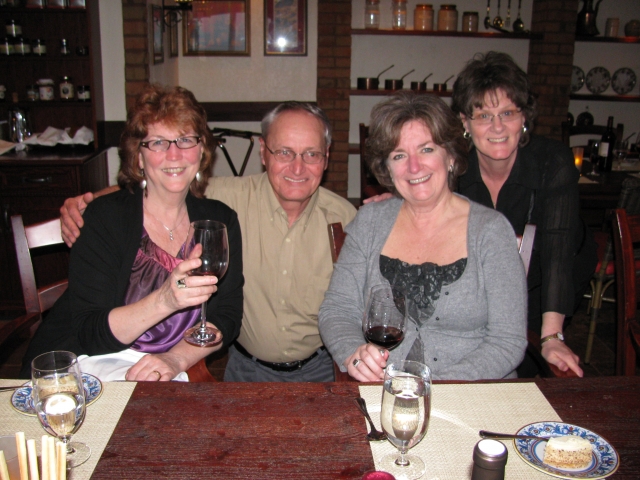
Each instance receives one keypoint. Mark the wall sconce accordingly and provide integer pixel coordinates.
(172, 14)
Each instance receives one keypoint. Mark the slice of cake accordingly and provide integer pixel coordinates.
(569, 451)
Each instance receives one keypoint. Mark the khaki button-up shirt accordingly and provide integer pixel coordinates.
(286, 269)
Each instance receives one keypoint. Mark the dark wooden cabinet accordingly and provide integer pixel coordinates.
(35, 185)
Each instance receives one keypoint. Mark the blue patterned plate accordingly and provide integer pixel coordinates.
(21, 399)
(604, 458)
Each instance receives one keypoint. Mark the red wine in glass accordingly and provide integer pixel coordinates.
(384, 318)
(212, 237)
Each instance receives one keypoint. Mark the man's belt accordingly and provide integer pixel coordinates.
(278, 367)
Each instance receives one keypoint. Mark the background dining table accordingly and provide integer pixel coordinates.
(311, 430)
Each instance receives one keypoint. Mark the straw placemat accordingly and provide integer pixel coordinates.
(102, 417)
(458, 412)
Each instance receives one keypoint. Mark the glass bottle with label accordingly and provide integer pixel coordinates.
(64, 47)
(399, 15)
(84, 93)
(605, 149)
(39, 47)
(14, 29)
(372, 14)
(67, 92)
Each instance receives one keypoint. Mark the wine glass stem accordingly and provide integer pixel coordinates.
(403, 462)
(203, 319)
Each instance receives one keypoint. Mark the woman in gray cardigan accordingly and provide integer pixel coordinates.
(456, 261)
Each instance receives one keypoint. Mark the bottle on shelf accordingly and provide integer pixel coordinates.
(605, 149)
(372, 14)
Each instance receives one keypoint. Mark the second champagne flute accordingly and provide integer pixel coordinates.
(212, 237)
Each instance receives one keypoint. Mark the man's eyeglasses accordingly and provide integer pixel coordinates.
(183, 143)
(506, 117)
(288, 156)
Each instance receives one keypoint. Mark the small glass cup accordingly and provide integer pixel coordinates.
(578, 155)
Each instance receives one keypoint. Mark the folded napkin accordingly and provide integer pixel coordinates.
(54, 136)
(113, 367)
(6, 146)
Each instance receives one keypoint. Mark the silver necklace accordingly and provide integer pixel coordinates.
(170, 230)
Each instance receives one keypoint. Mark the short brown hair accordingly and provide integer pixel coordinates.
(173, 106)
(389, 116)
(486, 74)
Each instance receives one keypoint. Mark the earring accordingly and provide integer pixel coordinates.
(466, 135)
(143, 182)
(198, 176)
(524, 129)
(451, 168)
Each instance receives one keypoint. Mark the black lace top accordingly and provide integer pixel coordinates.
(421, 283)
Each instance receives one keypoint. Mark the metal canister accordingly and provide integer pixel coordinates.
(448, 18)
(423, 17)
(489, 460)
(470, 22)
(84, 93)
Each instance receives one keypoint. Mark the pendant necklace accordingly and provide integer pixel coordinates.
(170, 230)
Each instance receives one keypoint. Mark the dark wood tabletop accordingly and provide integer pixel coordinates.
(310, 430)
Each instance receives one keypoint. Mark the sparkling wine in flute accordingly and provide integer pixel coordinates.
(61, 414)
(211, 237)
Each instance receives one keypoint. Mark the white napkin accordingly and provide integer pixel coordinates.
(83, 136)
(54, 136)
(6, 146)
(113, 367)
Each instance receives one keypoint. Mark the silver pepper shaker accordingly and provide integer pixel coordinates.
(489, 460)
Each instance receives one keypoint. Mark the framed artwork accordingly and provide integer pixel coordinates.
(285, 27)
(173, 34)
(217, 27)
(156, 32)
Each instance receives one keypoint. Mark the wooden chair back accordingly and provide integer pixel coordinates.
(626, 232)
(569, 131)
(40, 299)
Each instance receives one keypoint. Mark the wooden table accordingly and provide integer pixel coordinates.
(310, 431)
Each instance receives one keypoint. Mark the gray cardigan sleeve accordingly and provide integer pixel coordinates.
(478, 329)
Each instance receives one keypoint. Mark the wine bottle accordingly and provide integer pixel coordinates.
(605, 150)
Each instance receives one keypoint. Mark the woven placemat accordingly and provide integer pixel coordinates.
(458, 412)
(102, 417)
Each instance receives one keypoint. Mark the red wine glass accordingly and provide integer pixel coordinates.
(384, 319)
(212, 237)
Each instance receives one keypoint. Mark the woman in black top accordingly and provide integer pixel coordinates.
(530, 180)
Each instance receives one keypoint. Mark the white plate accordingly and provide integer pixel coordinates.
(623, 81)
(598, 80)
(22, 401)
(604, 458)
(577, 79)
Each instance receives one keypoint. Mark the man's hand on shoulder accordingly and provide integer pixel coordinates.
(71, 216)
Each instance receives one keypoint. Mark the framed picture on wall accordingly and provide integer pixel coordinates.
(285, 27)
(217, 27)
(156, 32)
(173, 34)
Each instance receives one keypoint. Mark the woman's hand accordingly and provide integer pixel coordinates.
(558, 354)
(196, 289)
(378, 198)
(156, 367)
(370, 361)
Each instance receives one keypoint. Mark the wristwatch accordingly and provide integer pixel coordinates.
(554, 336)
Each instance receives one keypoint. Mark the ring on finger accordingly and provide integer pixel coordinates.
(181, 283)
(159, 374)
(356, 362)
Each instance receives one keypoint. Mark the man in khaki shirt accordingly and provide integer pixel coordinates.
(283, 215)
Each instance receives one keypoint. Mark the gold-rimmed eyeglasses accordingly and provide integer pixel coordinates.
(505, 117)
(288, 156)
(162, 145)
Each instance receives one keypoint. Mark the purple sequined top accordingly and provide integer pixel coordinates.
(150, 270)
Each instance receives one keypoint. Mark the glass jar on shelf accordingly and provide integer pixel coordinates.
(84, 93)
(6, 46)
(372, 14)
(33, 94)
(423, 17)
(448, 18)
(399, 14)
(45, 86)
(470, 22)
(14, 29)
(39, 47)
(22, 46)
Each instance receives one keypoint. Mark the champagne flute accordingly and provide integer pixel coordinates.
(212, 237)
(384, 322)
(405, 413)
(59, 399)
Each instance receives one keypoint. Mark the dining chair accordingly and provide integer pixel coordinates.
(626, 233)
(604, 275)
(569, 131)
(220, 135)
(369, 186)
(37, 300)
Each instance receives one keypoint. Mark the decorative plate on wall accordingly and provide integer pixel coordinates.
(577, 79)
(623, 81)
(598, 80)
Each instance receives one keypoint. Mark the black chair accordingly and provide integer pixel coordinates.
(569, 131)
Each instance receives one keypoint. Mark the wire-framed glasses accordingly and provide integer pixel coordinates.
(506, 117)
(162, 145)
(288, 156)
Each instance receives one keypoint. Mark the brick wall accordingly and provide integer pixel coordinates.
(550, 62)
(135, 15)
(334, 78)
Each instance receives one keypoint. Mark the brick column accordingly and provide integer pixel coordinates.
(135, 17)
(551, 60)
(334, 79)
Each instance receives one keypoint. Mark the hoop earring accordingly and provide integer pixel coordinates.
(198, 176)
(466, 135)
(143, 182)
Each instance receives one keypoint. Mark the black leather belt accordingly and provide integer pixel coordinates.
(278, 367)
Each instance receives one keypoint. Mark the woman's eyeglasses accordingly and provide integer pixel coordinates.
(183, 143)
(505, 117)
